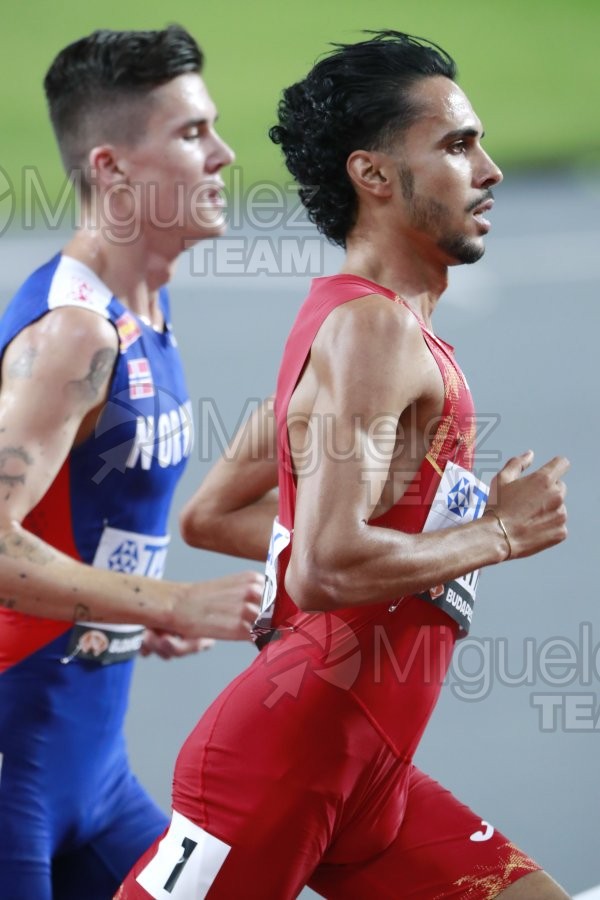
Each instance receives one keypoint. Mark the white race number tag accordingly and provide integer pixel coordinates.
(460, 498)
(280, 539)
(186, 863)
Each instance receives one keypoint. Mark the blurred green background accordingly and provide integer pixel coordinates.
(530, 68)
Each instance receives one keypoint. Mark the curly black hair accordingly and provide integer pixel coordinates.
(358, 97)
(96, 85)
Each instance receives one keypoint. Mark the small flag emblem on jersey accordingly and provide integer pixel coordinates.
(140, 378)
(129, 331)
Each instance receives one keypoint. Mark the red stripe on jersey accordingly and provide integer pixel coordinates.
(22, 635)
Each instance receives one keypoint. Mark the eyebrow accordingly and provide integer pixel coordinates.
(462, 133)
(191, 123)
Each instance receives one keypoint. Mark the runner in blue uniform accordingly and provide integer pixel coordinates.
(95, 430)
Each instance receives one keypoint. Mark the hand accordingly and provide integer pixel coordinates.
(169, 646)
(531, 507)
(224, 608)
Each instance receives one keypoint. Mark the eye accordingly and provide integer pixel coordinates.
(457, 147)
(192, 134)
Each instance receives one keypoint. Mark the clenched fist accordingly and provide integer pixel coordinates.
(531, 507)
(222, 608)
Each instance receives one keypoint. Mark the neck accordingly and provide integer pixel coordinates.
(401, 266)
(133, 270)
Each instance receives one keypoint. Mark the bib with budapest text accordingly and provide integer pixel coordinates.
(460, 498)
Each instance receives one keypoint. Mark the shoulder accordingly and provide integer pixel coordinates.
(62, 341)
(74, 329)
(371, 352)
(63, 302)
(75, 285)
(373, 324)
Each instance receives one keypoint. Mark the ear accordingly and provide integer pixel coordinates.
(105, 166)
(369, 171)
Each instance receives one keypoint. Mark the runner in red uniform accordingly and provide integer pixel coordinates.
(301, 771)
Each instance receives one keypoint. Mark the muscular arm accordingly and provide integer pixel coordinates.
(54, 375)
(366, 362)
(233, 509)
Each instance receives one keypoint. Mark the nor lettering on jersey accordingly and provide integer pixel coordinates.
(168, 441)
(140, 378)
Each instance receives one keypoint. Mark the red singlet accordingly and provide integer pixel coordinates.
(301, 771)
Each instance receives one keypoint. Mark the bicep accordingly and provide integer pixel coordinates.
(46, 393)
(365, 380)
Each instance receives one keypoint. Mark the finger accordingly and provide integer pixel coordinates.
(178, 647)
(556, 467)
(206, 644)
(255, 586)
(251, 611)
(515, 467)
(556, 496)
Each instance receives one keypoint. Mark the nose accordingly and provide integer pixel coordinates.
(491, 174)
(221, 156)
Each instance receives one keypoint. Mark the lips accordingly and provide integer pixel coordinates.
(210, 195)
(214, 192)
(478, 212)
(483, 207)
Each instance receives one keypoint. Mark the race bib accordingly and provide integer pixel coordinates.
(460, 498)
(132, 553)
(280, 539)
(186, 862)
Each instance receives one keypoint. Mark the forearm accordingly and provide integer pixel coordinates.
(233, 510)
(376, 565)
(38, 580)
(243, 532)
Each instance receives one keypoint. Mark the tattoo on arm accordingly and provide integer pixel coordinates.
(8, 455)
(88, 388)
(28, 546)
(81, 611)
(8, 603)
(23, 366)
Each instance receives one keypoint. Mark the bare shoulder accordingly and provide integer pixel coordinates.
(64, 340)
(61, 364)
(75, 327)
(371, 343)
(374, 322)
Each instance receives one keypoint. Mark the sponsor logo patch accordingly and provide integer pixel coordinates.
(131, 553)
(103, 644)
